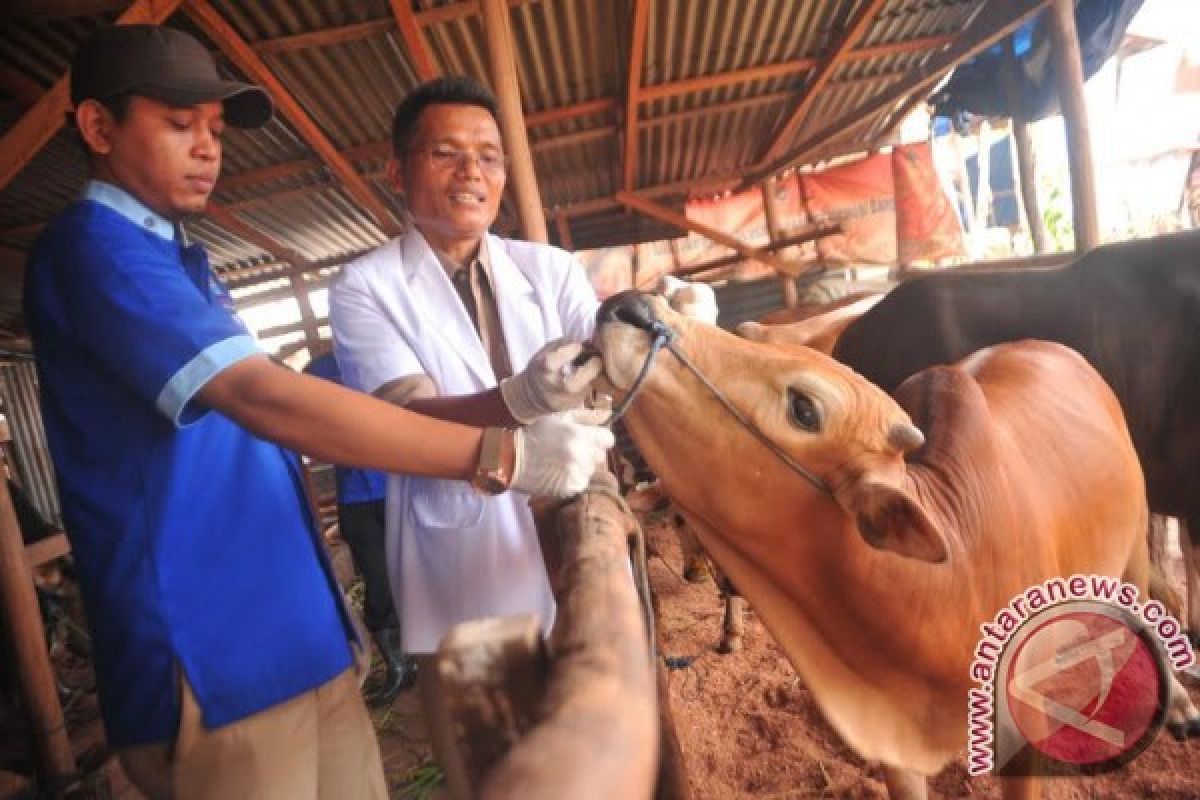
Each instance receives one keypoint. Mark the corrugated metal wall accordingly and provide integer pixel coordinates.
(743, 300)
(18, 392)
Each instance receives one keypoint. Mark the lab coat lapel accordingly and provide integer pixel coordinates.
(439, 304)
(516, 301)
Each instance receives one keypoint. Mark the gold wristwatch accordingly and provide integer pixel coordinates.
(491, 475)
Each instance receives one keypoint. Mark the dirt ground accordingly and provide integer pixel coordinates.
(748, 726)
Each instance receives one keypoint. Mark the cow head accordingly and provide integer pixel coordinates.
(833, 423)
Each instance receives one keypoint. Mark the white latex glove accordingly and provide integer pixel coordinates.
(557, 454)
(551, 382)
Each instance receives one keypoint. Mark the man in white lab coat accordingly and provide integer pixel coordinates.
(438, 321)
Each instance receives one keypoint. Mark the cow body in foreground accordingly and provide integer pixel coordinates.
(875, 587)
(1131, 309)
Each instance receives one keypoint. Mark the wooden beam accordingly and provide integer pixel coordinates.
(288, 327)
(325, 36)
(994, 22)
(768, 188)
(24, 140)
(249, 62)
(1023, 147)
(235, 225)
(1068, 70)
(57, 9)
(502, 62)
(34, 673)
(601, 105)
(633, 82)
(563, 224)
(410, 32)
(282, 293)
(810, 235)
(670, 217)
(851, 35)
(19, 86)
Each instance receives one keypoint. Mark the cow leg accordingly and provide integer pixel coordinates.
(695, 562)
(1189, 543)
(1020, 789)
(734, 625)
(1183, 720)
(904, 784)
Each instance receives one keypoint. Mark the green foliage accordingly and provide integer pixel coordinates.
(1056, 215)
(421, 781)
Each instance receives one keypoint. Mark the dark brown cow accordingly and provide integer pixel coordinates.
(1131, 309)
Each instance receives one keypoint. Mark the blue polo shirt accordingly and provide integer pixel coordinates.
(353, 485)
(194, 546)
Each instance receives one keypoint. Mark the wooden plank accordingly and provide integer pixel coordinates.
(35, 674)
(48, 549)
(414, 42)
(993, 23)
(783, 243)
(1023, 147)
(24, 140)
(1069, 80)
(664, 214)
(851, 35)
(633, 81)
(502, 62)
(240, 53)
(19, 86)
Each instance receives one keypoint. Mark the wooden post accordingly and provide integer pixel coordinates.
(1026, 167)
(503, 66)
(39, 689)
(791, 295)
(584, 724)
(1068, 70)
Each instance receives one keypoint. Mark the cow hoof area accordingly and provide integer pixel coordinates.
(1182, 731)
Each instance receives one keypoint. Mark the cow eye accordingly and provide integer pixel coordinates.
(803, 411)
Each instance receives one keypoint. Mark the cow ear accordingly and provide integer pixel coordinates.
(889, 519)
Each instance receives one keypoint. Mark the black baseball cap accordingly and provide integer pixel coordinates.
(164, 64)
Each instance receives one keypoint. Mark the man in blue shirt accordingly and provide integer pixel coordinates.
(362, 522)
(222, 649)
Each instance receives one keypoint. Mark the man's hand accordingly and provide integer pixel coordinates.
(552, 382)
(557, 454)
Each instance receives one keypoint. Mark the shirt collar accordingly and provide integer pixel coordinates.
(452, 267)
(128, 206)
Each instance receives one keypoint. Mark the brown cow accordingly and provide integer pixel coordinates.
(875, 573)
(1131, 309)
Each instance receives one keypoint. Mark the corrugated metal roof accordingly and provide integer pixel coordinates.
(347, 65)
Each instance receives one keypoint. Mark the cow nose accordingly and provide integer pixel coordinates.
(629, 307)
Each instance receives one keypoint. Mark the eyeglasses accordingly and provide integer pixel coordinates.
(447, 157)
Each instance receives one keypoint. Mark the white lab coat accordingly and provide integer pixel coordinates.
(453, 553)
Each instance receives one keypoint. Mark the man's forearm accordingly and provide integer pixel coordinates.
(338, 425)
(417, 393)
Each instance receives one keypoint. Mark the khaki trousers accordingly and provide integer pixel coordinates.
(317, 746)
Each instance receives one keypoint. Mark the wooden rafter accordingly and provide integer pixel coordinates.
(410, 32)
(563, 225)
(235, 225)
(38, 125)
(325, 36)
(993, 23)
(851, 35)
(637, 52)
(670, 217)
(241, 54)
(19, 86)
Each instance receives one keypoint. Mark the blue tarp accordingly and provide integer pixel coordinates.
(977, 87)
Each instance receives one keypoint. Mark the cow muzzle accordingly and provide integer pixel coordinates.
(628, 329)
